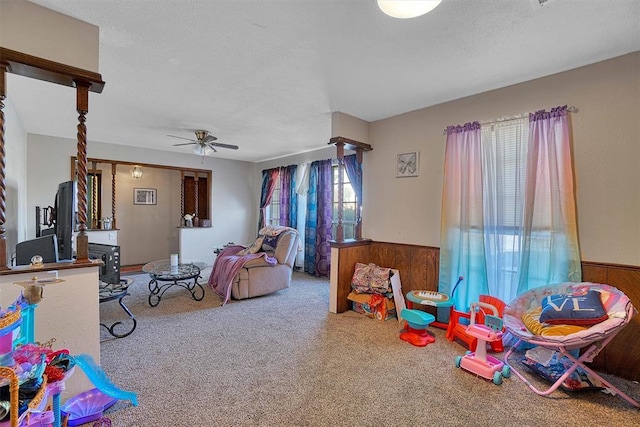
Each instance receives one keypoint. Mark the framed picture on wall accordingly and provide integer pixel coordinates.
(145, 196)
(407, 165)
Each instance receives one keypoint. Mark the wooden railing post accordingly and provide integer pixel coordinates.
(113, 195)
(340, 154)
(82, 107)
(3, 187)
(195, 189)
(181, 198)
(358, 201)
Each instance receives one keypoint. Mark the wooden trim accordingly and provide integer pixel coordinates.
(69, 265)
(49, 71)
(350, 144)
(149, 165)
(348, 243)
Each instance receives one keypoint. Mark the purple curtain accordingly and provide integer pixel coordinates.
(269, 180)
(354, 172)
(325, 217)
(288, 197)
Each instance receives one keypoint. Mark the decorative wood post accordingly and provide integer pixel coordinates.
(113, 195)
(3, 188)
(82, 107)
(195, 189)
(340, 155)
(95, 222)
(358, 201)
(181, 197)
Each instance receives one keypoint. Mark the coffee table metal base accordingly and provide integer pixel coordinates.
(157, 288)
(118, 292)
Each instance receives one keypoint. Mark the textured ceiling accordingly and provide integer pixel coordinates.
(266, 74)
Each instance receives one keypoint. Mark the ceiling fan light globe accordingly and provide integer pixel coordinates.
(202, 150)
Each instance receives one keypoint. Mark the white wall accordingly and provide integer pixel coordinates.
(29, 28)
(350, 127)
(147, 232)
(15, 178)
(606, 148)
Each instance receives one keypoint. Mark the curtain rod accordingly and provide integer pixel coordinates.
(570, 109)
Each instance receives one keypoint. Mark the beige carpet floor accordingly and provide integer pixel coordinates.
(284, 360)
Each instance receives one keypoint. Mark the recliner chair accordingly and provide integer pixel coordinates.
(257, 277)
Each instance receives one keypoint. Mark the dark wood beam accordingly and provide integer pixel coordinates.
(350, 144)
(50, 71)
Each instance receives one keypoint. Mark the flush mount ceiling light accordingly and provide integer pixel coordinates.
(407, 8)
(136, 172)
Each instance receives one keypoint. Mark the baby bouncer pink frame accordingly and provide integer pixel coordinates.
(594, 339)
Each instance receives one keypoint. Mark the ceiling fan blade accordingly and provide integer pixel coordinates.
(181, 137)
(218, 144)
(211, 145)
(185, 143)
(209, 138)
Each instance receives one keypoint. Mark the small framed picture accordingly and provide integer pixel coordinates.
(145, 196)
(407, 165)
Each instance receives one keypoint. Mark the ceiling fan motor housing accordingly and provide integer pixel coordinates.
(201, 134)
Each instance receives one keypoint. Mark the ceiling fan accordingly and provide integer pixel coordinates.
(204, 143)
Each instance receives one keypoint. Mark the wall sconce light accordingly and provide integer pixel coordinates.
(136, 172)
(407, 8)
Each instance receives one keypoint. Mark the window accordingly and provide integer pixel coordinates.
(509, 207)
(348, 204)
(273, 210)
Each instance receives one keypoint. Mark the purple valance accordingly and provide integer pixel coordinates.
(463, 128)
(543, 114)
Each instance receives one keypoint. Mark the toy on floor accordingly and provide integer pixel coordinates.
(415, 330)
(86, 407)
(478, 362)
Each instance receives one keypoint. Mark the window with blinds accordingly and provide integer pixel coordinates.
(348, 204)
(273, 210)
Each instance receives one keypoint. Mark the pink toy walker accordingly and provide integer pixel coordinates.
(478, 362)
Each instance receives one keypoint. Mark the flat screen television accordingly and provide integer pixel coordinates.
(45, 246)
(65, 212)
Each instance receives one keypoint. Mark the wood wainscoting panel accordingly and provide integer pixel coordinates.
(348, 255)
(419, 269)
(383, 254)
(418, 265)
(620, 357)
(414, 275)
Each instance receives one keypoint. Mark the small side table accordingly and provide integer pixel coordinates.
(117, 291)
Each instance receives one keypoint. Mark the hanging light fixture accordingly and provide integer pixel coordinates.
(202, 149)
(136, 172)
(407, 8)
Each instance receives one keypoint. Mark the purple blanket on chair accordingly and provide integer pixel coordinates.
(227, 265)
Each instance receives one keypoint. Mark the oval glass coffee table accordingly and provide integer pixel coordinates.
(164, 276)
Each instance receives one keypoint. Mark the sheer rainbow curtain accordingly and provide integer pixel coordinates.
(508, 209)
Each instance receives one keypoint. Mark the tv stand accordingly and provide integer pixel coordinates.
(110, 256)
